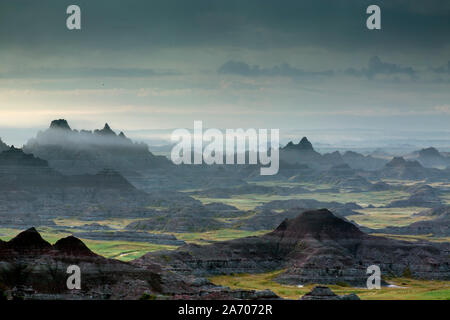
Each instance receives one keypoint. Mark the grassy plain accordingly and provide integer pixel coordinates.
(405, 289)
(250, 201)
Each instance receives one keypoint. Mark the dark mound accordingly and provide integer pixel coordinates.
(321, 224)
(28, 239)
(325, 293)
(16, 157)
(401, 162)
(73, 246)
(60, 124)
(429, 152)
(315, 247)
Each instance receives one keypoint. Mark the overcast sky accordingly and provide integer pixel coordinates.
(292, 64)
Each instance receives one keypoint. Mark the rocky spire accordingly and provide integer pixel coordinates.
(304, 144)
(106, 130)
(28, 239)
(60, 124)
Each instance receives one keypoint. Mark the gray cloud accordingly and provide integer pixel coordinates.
(284, 70)
(443, 69)
(375, 67)
(378, 67)
(55, 73)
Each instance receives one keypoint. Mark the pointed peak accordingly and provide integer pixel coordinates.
(28, 239)
(304, 140)
(60, 124)
(304, 144)
(73, 246)
(106, 130)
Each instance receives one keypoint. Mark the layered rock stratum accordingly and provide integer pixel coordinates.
(314, 247)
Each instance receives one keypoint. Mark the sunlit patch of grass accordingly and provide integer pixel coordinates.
(115, 223)
(445, 197)
(377, 218)
(399, 182)
(289, 184)
(123, 250)
(411, 238)
(217, 235)
(408, 289)
(250, 201)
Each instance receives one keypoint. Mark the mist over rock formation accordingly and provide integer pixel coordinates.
(32, 193)
(399, 168)
(76, 152)
(359, 161)
(300, 153)
(314, 247)
(3, 146)
(304, 153)
(430, 158)
(60, 124)
(16, 157)
(303, 144)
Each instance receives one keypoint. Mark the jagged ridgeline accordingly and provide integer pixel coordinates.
(303, 153)
(73, 152)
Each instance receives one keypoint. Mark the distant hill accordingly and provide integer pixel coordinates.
(399, 168)
(430, 157)
(301, 153)
(359, 161)
(304, 153)
(32, 193)
(76, 152)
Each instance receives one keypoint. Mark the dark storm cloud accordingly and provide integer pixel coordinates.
(119, 24)
(285, 70)
(376, 67)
